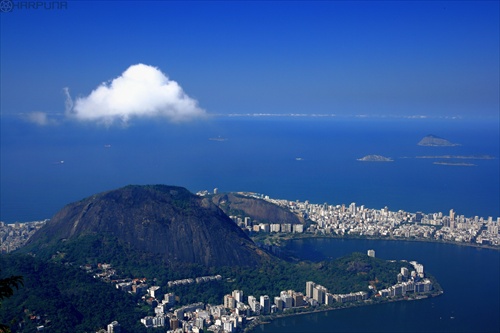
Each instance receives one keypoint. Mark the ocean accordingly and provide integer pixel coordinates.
(295, 158)
(469, 277)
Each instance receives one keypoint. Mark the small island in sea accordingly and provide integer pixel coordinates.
(435, 141)
(455, 163)
(375, 158)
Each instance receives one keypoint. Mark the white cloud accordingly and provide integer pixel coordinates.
(40, 118)
(141, 91)
(68, 104)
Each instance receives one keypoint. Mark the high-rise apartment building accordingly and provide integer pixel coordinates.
(352, 208)
(404, 272)
(229, 302)
(254, 305)
(238, 295)
(265, 304)
(319, 293)
(309, 288)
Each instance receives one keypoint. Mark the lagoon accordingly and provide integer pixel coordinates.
(469, 276)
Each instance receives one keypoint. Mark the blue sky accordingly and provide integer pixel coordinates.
(396, 58)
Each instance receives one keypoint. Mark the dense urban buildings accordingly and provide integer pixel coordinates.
(15, 235)
(360, 221)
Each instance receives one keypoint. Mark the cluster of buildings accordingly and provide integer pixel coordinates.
(408, 282)
(357, 220)
(318, 295)
(15, 235)
(235, 313)
(236, 310)
(201, 279)
(113, 327)
(107, 273)
(228, 317)
(246, 223)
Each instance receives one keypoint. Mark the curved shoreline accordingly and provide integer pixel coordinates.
(308, 235)
(268, 319)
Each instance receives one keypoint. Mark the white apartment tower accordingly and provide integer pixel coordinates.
(238, 295)
(352, 208)
(319, 293)
(404, 271)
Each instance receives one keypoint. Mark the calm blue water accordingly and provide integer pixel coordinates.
(469, 276)
(259, 155)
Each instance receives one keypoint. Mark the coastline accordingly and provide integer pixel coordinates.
(268, 319)
(455, 164)
(288, 237)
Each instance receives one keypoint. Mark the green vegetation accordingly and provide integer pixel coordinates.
(59, 294)
(352, 273)
(348, 274)
(64, 299)
(7, 286)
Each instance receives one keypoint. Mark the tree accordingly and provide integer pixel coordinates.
(7, 286)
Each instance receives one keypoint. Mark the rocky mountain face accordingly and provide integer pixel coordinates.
(162, 220)
(257, 209)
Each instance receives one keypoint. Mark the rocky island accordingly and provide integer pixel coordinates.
(375, 158)
(435, 141)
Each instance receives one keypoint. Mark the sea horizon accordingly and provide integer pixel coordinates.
(286, 157)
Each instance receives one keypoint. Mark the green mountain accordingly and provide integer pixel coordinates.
(166, 223)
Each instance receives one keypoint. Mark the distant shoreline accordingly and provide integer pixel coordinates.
(464, 157)
(455, 164)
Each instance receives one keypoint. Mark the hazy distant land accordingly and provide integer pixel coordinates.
(463, 157)
(375, 158)
(455, 164)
